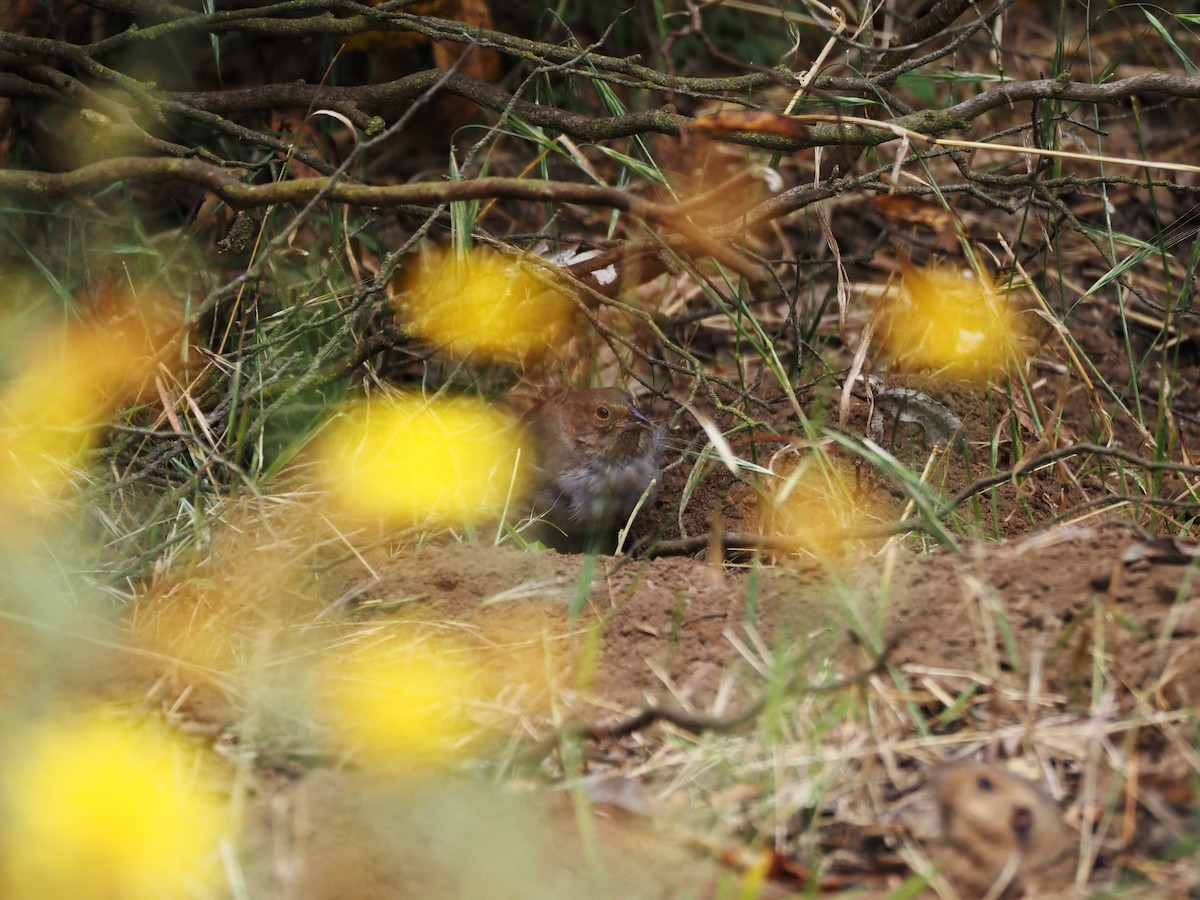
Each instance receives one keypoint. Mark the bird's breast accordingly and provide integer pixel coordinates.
(601, 492)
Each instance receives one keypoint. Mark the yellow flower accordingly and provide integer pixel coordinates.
(481, 303)
(404, 702)
(951, 321)
(818, 506)
(66, 382)
(408, 460)
(96, 808)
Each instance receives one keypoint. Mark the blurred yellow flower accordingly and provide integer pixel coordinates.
(951, 321)
(483, 304)
(63, 386)
(47, 425)
(818, 504)
(97, 808)
(408, 460)
(404, 702)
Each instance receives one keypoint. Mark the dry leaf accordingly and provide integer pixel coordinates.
(482, 62)
(901, 209)
(732, 121)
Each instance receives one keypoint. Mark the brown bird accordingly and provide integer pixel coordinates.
(595, 455)
(1000, 835)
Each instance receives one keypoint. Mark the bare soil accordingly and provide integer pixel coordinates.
(1051, 622)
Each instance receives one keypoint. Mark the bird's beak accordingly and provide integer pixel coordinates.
(635, 420)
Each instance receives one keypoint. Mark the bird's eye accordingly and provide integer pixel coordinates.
(985, 783)
(603, 413)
